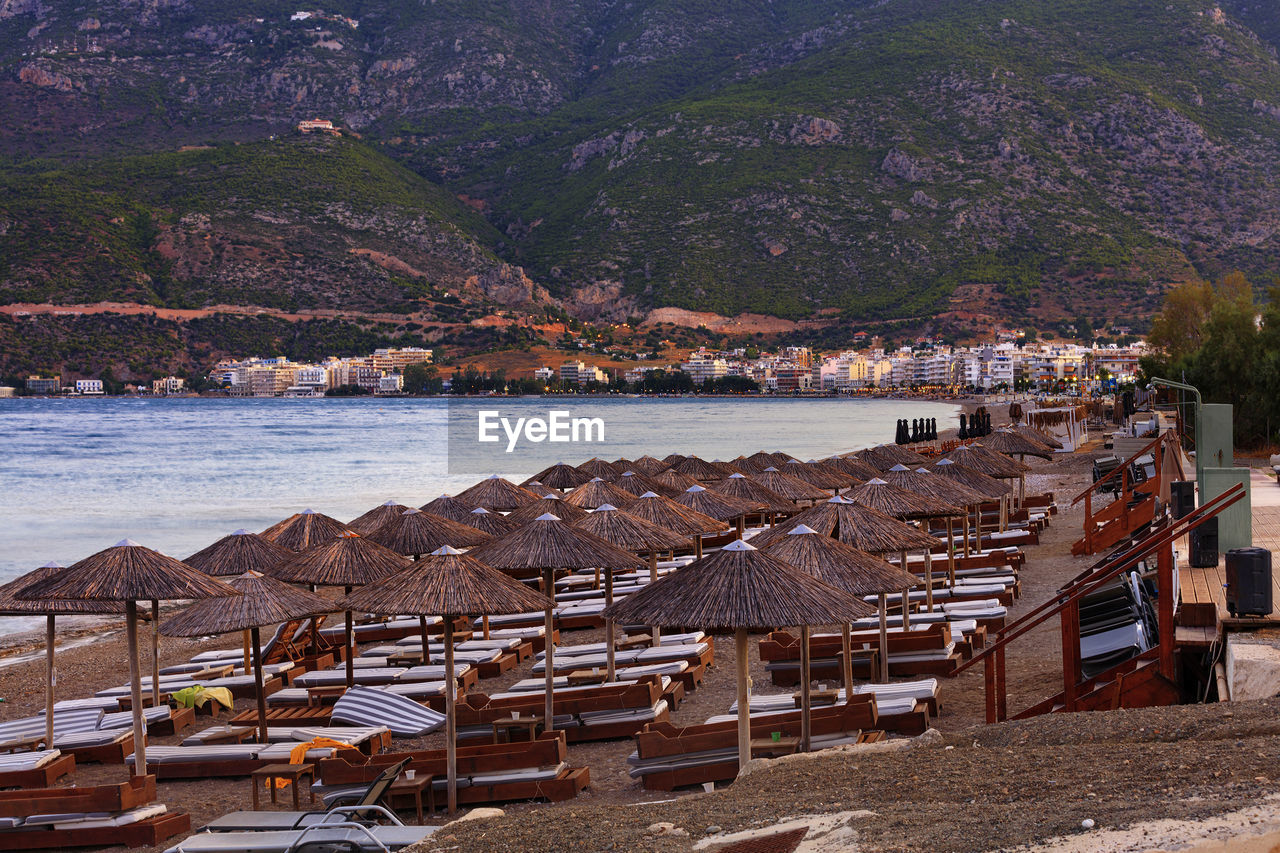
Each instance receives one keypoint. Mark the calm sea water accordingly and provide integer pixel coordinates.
(176, 474)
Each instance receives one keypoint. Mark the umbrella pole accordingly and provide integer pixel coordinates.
(906, 597)
(846, 648)
(806, 699)
(135, 689)
(248, 661)
(951, 552)
(744, 699)
(608, 627)
(350, 652)
(50, 679)
(155, 653)
(258, 690)
(484, 626)
(928, 579)
(549, 659)
(422, 627)
(884, 639)
(966, 528)
(450, 716)
(655, 631)
(697, 546)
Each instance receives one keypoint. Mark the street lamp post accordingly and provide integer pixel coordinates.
(1199, 402)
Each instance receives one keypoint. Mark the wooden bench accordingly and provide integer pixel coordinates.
(478, 709)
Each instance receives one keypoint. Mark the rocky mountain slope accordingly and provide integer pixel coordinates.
(887, 159)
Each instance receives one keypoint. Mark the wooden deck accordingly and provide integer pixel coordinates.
(1202, 613)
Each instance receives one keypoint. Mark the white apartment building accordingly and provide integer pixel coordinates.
(89, 387)
(701, 368)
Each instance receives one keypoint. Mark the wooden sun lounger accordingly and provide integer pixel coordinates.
(145, 833)
(287, 715)
(781, 646)
(39, 777)
(478, 709)
(107, 753)
(122, 796)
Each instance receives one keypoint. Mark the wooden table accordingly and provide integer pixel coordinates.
(767, 747)
(587, 676)
(317, 696)
(532, 725)
(290, 772)
(405, 659)
(415, 786)
(23, 744)
(230, 734)
(634, 641)
(818, 697)
(212, 672)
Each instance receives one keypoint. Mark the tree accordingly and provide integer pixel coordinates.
(423, 378)
(1178, 328)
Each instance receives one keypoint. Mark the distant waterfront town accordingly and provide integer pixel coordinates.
(1005, 366)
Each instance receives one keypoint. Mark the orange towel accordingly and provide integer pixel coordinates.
(298, 754)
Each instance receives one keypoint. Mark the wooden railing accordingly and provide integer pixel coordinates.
(1066, 606)
(1130, 518)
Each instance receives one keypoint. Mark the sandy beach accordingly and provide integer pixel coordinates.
(964, 787)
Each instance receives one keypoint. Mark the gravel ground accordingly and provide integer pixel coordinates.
(972, 787)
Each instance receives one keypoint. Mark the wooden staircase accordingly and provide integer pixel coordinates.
(1134, 507)
(1147, 679)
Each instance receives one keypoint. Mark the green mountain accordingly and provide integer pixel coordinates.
(872, 159)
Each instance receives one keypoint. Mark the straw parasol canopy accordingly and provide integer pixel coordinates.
(1038, 436)
(741, 588)
(597, 467)
(740, 486)
(673, 459)
(538, 489)
(837, 564)
(414, 532)
(899, 503)
(885, 456)
(50, 608)
(542, 547)
(561, 475)
(648, 465)
(699, 469)
(791, 488)
(489, 522)
(349, 560)
(718, 505)
(495, 493)
(674, 482)
(727, 469)
(816, 475)
(630, 532)
(237, 553)
(448, 583)
(845, 478)
(852, 466)
(988, 462)
(972, 479)
(922, 482)
(1014, 444)
(860, 526)
(450, 508)
(596, 493)
(300, 531)
(636, 484)
(127, 572)
(553, 504)
(376, 517)
(664, 512)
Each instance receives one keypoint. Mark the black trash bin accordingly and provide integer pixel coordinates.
(1182, 497)
(1249, 581)
(1204, 544)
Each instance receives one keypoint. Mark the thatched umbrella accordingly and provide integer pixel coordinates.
(904, 505)
(648, 465)
(993, 465)
(50, 609)
(792, 488)
(664, 512)
(496, 494)
(630, 533)
(595, 467)
(742, 589)
(622, 463)
(816, 475)
(699, 469)
(852, 466)
(844, 567)
(449, 584)
(1039, 436)
(726, 468)
(415, 532)
(555, 505)
(944, 489)
(232, 555)
(490, 522)
(674, 482)
(348, 561)
(673, 459)
(541, 548)
(302, 530)
(449, 507)
(836, 473)
(884, 456)
(127, 572)
(376, 517)
(718, 505)
(262, 601)
(740, 486)
(989, 487)
(561, 476)
(538, 489)
(596, 493)
(636, 484)
(1011, 443)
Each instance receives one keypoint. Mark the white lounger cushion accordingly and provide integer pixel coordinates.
(27, 760)
(370, 707)
(389, 837)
